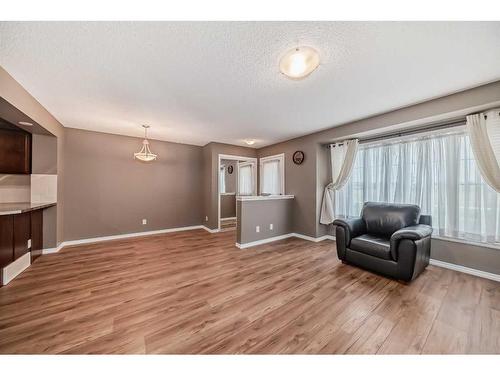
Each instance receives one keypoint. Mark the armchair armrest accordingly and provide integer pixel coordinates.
(414, 233)
(353, 227)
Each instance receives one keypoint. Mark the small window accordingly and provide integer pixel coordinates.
(246, 178)
(222, 179)
(272, 175)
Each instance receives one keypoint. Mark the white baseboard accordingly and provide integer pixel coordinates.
(314, 239)
(264, 241)
(228, 218)
(282, 237)
(10, 271)
(117, 237)
(470, 271)
(210, 230)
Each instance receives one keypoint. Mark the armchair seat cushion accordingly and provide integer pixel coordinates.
(372, 245)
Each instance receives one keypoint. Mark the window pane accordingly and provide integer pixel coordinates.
(271, 178)
(222, 180)
(245, 180)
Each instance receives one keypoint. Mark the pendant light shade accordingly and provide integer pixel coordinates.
(145, 154)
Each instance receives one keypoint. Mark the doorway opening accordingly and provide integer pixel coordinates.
(237, 177)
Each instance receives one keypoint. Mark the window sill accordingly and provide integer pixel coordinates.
(495, 246)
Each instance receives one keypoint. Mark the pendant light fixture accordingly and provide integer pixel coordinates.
(145, 154)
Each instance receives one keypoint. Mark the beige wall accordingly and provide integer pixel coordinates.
(16, 95)
(108, 192)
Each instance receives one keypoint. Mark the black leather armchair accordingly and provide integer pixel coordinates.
(390, 239)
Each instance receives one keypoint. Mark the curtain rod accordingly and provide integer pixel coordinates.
(448, 124)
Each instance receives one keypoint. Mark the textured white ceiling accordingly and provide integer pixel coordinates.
(196, 82)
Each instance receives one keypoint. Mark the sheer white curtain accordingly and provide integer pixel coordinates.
(342, 157)
(271, 177)
(246, 180)
(437, 172)
(484, 132)
(222, 179)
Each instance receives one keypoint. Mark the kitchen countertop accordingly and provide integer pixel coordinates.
(20, 207)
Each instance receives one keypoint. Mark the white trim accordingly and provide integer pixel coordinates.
(314, 239)
(228, 218)
(264, 241)
(13, 269)
(52, 250)
(228, 193)
(121, 236)
(467, 242)
(229, 157)
(470, 271)
(282, 237)
(281, 158)
(263, 197)
(210, 230)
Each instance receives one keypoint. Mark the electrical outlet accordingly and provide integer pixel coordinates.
(270, 226)
(206, 218)
(29, 243)
(257, 229)
(144, 221)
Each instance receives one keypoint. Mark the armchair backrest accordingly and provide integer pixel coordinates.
(384, 219)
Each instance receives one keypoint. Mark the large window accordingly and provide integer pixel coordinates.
(272, 175)
(438, 172)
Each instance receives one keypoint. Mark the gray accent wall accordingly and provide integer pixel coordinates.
(227, 206)
(108, 192)
(262, 213)
(44, 154)
(463, 254)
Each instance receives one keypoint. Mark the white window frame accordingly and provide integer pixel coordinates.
(281, 159)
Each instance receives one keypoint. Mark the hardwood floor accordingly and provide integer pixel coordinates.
(194, 292)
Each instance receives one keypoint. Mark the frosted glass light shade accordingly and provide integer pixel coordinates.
(299, 62)
(145, 154)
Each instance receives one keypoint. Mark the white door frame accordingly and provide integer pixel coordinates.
(232, 157)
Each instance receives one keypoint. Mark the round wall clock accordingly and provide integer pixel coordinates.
(298, 157)
(230, 169)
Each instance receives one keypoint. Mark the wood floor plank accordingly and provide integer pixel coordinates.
(195, 292)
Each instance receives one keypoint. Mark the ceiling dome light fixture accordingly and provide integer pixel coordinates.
(145, 154)
(249, 141)
(299, 62)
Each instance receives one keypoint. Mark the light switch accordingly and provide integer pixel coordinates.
(257, 229)
(144, 221)
(270, 226)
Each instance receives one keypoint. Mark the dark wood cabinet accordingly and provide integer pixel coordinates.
(6, 239)
(36, 233)
(22, 232)
(15, 152)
